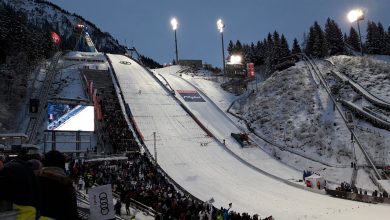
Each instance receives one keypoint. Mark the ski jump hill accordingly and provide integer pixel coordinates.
(190, 151)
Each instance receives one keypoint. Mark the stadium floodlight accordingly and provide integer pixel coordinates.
(174, 24)
(221, 26)
(357, 15)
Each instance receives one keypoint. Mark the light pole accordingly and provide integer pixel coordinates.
(174, 24)
(221, 26)
(357, 15)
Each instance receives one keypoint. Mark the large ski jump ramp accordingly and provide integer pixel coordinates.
(209, 171)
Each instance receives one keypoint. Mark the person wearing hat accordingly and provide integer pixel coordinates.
(57, 192)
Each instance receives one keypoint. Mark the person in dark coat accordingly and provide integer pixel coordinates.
(19, 188)
(57, 192)
(117, 207)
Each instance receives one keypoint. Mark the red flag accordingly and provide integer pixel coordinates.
(56, 38)
(251, 70)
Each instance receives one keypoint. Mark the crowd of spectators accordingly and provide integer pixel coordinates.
(346, 187)
(138, 179)
(114, 125)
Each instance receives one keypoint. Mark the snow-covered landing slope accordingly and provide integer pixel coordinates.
(221, 126)
(210, 171)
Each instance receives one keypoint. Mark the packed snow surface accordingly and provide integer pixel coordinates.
(210, 171)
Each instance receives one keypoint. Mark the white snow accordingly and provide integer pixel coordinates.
(210, 171)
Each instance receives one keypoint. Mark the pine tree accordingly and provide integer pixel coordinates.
(334, 37)
(276, 48)
(284, 48)
(373, 38)
(305, 38)
(246, 54)
(387, 41)
(269, 53)
(353, 39)
(230, 47)
(381, 38)
(309, 45)
(296, 49)
(316, 44)
(260, 52)
(345, 38)
(237, 48)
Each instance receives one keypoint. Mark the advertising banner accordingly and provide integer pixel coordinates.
(101, 203)
(190, 96)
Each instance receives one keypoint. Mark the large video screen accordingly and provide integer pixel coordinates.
(68, 117)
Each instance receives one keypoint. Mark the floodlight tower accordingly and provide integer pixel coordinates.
(221, 26)
(174, 24)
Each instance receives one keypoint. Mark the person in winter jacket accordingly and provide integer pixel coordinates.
(18, 187)
(118, 207)
(57, 191)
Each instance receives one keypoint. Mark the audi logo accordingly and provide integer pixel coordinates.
(103, 203)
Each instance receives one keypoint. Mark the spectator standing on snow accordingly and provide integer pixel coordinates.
(118, 207)
(127, 204)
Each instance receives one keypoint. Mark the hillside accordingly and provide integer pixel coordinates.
(292, 111)
(49, 16)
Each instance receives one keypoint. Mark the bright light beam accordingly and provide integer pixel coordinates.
(174, 23)
(235, 59)
(355, 15)
(220, 25)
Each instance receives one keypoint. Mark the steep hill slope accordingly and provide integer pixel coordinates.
(49, 16)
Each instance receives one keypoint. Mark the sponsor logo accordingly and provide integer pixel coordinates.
(190, 96)
(104, 210)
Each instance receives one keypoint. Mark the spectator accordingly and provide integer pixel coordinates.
(139, 179)
(118, 207)
(127, 205)
(58, 194)
(19, 188)
(35, 164)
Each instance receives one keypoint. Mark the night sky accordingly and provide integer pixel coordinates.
(145, 24)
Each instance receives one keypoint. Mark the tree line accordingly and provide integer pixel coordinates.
(274, 51)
